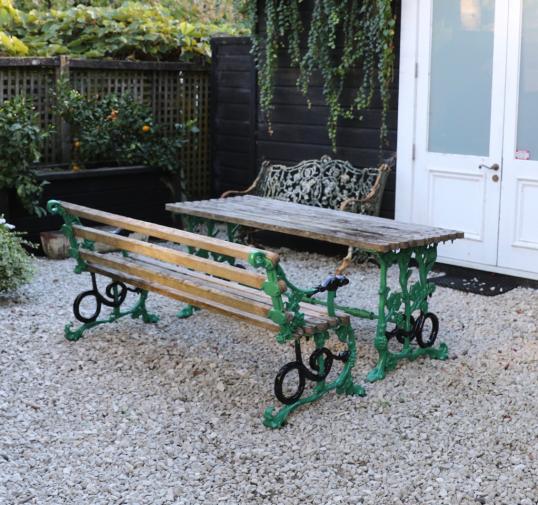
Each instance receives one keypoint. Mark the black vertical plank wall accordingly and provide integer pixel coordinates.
(233, 91)
(241, 135)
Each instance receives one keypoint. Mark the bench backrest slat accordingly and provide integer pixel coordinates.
(165, 232)
(242, 276)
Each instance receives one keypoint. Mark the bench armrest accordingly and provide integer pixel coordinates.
(330, 284)
(235, 192)
(370, 200)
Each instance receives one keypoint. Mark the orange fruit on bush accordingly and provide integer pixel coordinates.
(113, 115)
(146, 128)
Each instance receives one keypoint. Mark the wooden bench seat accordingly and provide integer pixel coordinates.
(259, 295)
(209, 292)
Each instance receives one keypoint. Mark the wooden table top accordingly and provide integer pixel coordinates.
(334, 226)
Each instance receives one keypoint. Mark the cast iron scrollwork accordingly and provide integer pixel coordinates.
(115, 294)
(304, 373)
(417, 330)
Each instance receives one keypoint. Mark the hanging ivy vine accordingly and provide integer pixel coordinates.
(342, 36)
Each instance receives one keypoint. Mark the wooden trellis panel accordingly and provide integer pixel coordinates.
(38, 81)
(175, 92)
(195, 105)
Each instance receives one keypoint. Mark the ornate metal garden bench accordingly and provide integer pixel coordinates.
(328, 183)
(211, 279)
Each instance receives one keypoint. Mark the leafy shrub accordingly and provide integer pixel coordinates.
(16, 266)
(21, 138)
(10, 45)
(121, 130)
(131, 30)
(205, 11)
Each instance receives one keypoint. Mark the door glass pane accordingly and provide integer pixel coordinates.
(527, 137)
(461, 75)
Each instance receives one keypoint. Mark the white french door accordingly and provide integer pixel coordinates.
(518, 230)
(473, 164)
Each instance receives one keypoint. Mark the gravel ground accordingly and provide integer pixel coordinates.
(171, 413)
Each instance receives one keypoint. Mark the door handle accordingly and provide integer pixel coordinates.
(495, 167)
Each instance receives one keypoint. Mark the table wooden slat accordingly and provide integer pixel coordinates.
(334, 226)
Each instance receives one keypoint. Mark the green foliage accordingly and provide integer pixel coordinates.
(10, 45)
(21, 138)
(204, 11)
(15, 263)
(342, 36)
(121, 130)
(127, 30)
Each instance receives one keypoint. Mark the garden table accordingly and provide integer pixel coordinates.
(389, 242)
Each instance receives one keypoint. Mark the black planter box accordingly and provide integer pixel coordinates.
(135, 191)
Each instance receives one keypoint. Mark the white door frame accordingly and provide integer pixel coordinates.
(407, 126)
(407, 109)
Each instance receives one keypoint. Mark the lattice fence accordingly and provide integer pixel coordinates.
(175, 92)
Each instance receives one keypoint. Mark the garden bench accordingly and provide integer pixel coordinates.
(327, 183)
(261, 296)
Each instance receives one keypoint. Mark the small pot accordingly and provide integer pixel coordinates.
(55, 245)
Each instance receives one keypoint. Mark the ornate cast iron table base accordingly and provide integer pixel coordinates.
(406, 309)
(398, 307)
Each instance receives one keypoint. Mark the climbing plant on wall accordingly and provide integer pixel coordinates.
(341, 36)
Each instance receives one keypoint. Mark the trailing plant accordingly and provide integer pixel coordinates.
(119, 129)
(16, 266)
(21, 139)
(342, 36)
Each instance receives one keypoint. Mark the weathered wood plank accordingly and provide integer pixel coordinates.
(312, 324)
(240, 275)
(165, 233)
(179, 283)
(317, 311)
(356, 230)
(185, 298)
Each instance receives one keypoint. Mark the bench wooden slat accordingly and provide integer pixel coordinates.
(242, 276)
(178, 283)
(184, 297)
(165, 232)
(318, 311)
(186, 283)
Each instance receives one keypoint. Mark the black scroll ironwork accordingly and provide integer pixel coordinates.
(417, 330)
(304, 373)
(115, 294)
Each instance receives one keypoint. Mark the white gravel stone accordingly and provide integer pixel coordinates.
(171, 413)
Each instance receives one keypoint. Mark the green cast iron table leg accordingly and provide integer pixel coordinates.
(398, 308)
